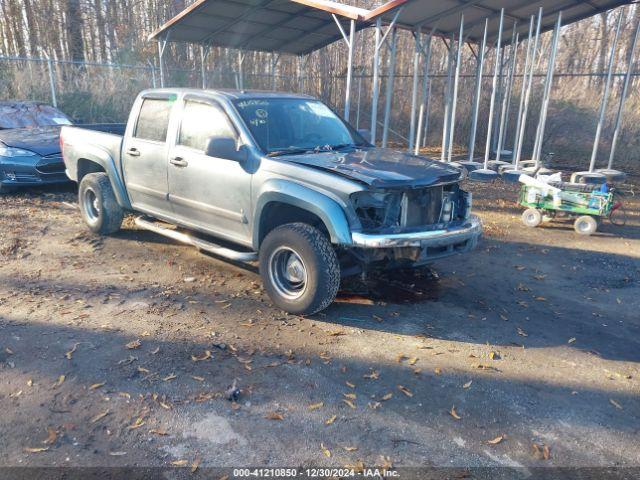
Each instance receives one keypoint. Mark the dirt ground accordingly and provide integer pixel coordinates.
(120, 351)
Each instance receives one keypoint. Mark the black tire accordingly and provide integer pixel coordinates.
(531, 217)
(585, 225)
(299, 268)
(100, 209)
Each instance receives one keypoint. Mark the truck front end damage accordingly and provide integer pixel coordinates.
(408, 227)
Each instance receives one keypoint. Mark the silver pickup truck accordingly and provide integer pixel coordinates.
(270, 177)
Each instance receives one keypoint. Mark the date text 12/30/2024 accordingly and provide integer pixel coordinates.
(314, 473)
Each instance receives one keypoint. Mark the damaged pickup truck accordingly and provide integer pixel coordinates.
(274, 178)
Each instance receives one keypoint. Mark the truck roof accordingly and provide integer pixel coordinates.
(231, 94)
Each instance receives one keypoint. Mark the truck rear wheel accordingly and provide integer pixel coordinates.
(299, 268)
(531, 217)
(98, 204)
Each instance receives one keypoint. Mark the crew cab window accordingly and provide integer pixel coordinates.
(153, 121)
(201, 121)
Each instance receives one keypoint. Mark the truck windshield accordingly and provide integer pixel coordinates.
(30, 115)
(296, 125)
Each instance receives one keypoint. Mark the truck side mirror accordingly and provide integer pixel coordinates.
(225, 147)
(366, 134)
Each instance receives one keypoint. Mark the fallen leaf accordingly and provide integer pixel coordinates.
(330, 421)
(100, 416)
(496, 440)
(172, 376)
(522, 333)
(374, 375)
(349, 384)
(137, 424)
(350, 449)
(468, 384)
(52, 436)
(615, 404)
(196, 463)
(199, 379)
(571, 340)
(413, 360)
(36, 449)
(203, 356)
(350, 403)
(350, 396)
(545, 452)
(541, 299)
(96, 385)
(69, 354)
(59, 381)
(454, 414)
(437, 371)
(326, 452)
(30, 382)
(274, 416)
(386, 397)
(405, 390)
(494, 355)
(179, 463)
(159, 431)
(316, 406)
(133, 344)
(117, 454)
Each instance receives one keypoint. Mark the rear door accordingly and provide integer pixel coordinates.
(213, 194)
(144, 155)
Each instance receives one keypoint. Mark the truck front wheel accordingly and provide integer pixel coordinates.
(299, 268)
(98, 204)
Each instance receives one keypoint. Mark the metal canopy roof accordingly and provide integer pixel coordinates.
(285, 26)
(444, 15)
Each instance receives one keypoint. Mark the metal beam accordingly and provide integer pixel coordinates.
(493, 92)
(623, 97)
(447, 101)
(605, 95)
(478, 90)
(506, 100)
(456, 82)
(390, 86)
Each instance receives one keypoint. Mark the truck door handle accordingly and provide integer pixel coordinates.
(133, 152)
(178, 162)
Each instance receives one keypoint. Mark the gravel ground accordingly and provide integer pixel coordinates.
(119, 351)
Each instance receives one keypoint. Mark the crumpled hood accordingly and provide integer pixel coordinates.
(381, 167)
(41, 140)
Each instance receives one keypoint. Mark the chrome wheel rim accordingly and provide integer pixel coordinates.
(288, 273)
(91, 206)
(584, 226)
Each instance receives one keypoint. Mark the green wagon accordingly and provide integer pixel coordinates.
(587, 204)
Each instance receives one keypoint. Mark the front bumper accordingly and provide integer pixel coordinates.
(465, 235)
(32, 171)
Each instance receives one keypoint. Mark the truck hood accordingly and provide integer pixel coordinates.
(41, 140)
(381, 167)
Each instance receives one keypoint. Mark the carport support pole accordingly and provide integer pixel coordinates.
(204, 52)
(389, 90)
(52, 83)
(547, 90)
(478, 90)
(529, 80)
(241, 56)
(496, 70)
(507, 94)
(605, 95)
(414, 88)
(272, 70)
(623, 98)
(375, 81)
(424, 106)
(162, 45)
(523, 89)
(447, 100)
(456, 82)
(349, 41)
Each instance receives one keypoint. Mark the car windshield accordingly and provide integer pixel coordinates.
(295, 125)
(30, 115)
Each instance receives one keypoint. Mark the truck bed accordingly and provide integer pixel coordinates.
(100, 139)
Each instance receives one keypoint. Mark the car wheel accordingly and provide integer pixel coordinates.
(585, 225)
(98, 204)
(532, 217)
(299, 268)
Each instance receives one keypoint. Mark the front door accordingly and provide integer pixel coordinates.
(212, 194)
(144, 157)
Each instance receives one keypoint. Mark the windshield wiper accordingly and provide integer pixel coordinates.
(288, 151)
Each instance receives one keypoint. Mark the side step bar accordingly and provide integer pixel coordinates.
(196, 242)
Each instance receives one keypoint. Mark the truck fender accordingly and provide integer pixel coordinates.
(297, 195)
(106, 161)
